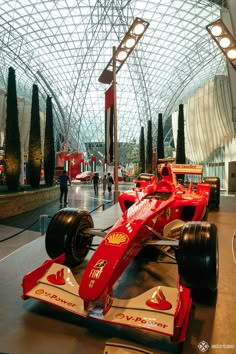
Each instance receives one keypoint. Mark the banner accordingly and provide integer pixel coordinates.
(75, 158)
(109, 125)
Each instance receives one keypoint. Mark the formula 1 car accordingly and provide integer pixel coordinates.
(159, 214)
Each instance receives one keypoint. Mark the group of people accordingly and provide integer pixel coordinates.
(107, 182)
(64, 180)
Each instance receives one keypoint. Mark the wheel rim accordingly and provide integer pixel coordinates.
(82, 239)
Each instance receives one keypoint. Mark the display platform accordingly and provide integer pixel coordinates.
(33, 327)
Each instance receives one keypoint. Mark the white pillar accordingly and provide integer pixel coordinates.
(230, 21)
(232, 12)
(22, 168)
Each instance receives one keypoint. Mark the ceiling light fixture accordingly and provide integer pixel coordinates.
(224, 39)
(127, 45)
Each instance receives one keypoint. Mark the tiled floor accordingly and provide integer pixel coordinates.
(32, 327)
(80, 196)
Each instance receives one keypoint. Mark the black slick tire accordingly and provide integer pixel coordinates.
(214, 199)
(68, 232)
(197, 256)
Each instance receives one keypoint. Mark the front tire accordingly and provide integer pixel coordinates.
(197, 256)
(68, 232)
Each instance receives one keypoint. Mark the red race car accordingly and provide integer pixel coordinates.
(85, 176)
(159, 214)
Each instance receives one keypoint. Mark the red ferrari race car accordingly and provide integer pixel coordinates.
(158, 214)
(85, 176)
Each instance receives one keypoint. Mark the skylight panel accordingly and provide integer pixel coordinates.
(74, 43)
(6, 6)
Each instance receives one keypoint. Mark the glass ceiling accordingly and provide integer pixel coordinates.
(64, 45)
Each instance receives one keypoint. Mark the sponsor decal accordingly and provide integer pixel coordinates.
(186, 166)
(140, 320)
(96, 272)
(58, 278)
(143, 208)
(91, 283)
(101, 263)
(168, 213)
(158, 301)
(117, 239)
(108, 302)
(55, 297)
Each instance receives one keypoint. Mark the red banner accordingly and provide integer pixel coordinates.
(75, 158)
(70, 161)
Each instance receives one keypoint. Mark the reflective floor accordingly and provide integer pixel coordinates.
(80, 195)
(32, 327)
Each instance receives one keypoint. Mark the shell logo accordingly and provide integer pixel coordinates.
(116, 239)
(119, 316)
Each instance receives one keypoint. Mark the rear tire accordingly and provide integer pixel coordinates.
(205, 217)
(197, 256)
(68, 232)
(214, 199)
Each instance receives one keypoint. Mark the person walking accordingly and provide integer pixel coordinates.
(64, 181)
(110, 182)
(104, 183)
(95, 180)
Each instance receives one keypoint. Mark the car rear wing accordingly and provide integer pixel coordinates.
(187, 169)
